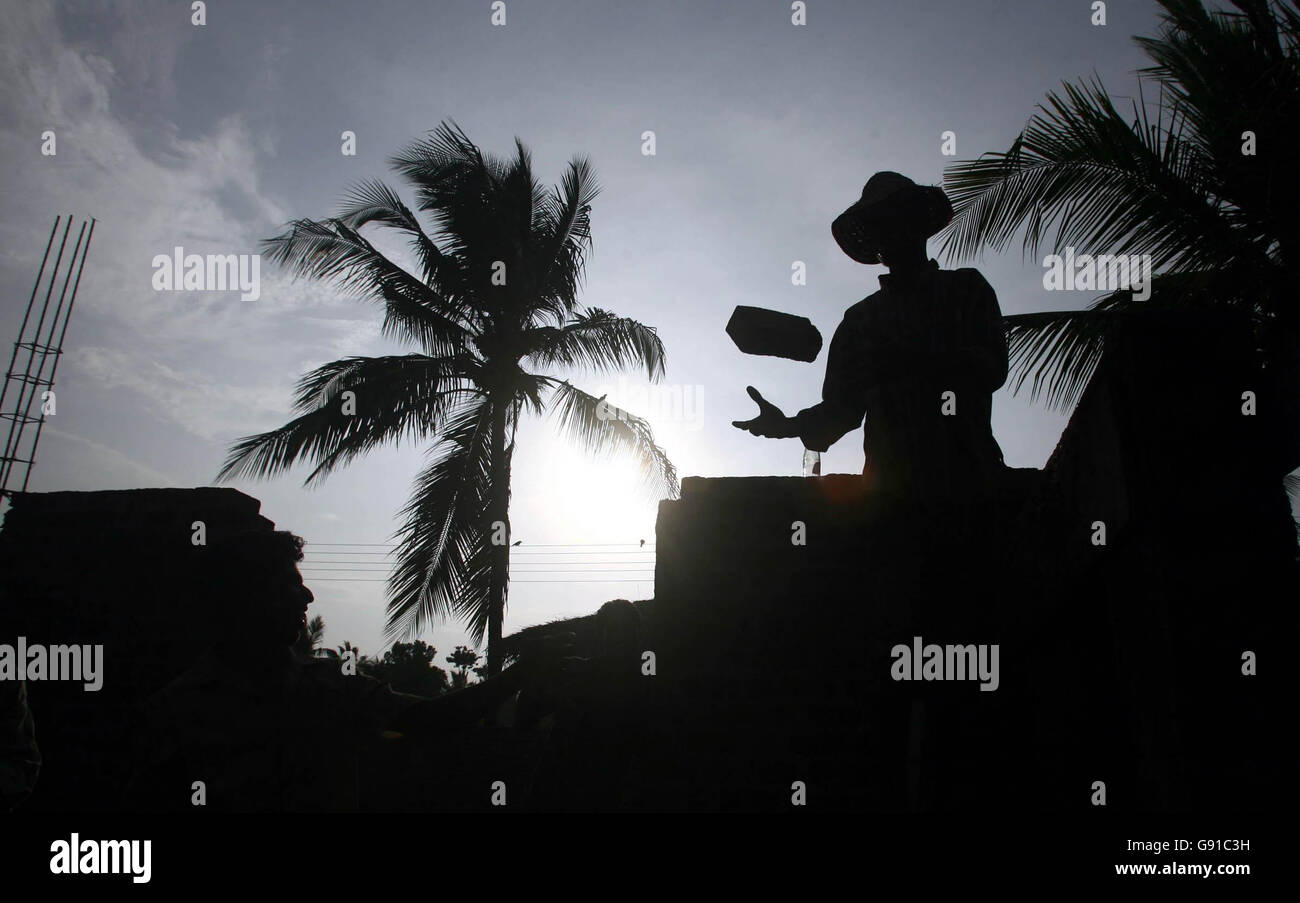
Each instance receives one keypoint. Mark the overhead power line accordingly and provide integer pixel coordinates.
(374, 580)
(536, 545)
(512, 554)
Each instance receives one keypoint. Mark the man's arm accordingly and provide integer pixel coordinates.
(852, 368)
(843, 404)
(986, 353)
(824, 424)
(819, 427)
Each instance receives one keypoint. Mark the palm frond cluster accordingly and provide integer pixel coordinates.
(1198, 172)
(490, 304)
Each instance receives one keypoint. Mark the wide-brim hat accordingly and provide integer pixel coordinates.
(891, 204)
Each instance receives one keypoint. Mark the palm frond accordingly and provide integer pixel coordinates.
(1227, 73)
(443, 564)
(441, 163)
(1099, 182)
(1169, 180)
(524, 193)
(315, 633)
(528, 390)
(603, 429)
(463, 189)
(599, 342)
(335, 253)
(371, 201)
(1058, 351)
(397, 397)
(565, 243)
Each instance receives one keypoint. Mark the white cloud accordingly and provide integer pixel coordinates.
(99, 466)
(214, 365)
(207, 408)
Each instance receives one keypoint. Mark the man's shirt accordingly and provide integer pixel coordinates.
(892, 359)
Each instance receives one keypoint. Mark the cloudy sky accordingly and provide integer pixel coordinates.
(212, 137)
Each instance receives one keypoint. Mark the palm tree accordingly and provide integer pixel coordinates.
(1173, 179)
(342, 651)
(490, 302)
(309, 641)
(463, 659)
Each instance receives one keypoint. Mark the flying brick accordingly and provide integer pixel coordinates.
(756, 330)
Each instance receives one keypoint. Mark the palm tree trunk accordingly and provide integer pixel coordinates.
(498, 511)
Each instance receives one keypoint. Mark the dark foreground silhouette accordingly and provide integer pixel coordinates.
(265, 730)
(1133, 589)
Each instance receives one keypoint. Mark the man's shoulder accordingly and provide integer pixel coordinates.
(860, 311)
(968, 278)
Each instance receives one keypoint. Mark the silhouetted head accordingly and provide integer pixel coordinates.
(618, 630)
(256, 589)
(891, 221)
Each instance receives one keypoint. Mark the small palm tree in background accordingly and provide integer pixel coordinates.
(490, 301)
(463, 660)
(1216, 209)
(310, 640)
(342, 652)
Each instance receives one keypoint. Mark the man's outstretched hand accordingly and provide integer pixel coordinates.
(770, 422)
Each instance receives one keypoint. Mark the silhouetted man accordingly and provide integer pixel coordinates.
(920, 358)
